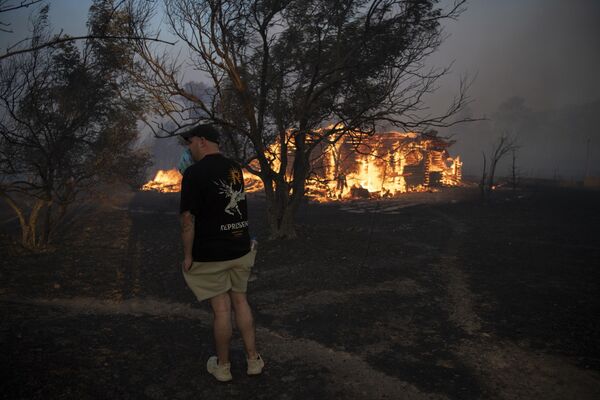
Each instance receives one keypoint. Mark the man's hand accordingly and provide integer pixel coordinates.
(187, 235)
(186, 264)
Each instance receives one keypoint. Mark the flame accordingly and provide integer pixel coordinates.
(381, 165)
(165, 181)
(252, 184)
(452, 176)
(169, 181)
(355, 166)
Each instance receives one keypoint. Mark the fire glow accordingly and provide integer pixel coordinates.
(165, 181)
(377, 166)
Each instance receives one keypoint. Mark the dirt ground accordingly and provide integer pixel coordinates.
(432, 296)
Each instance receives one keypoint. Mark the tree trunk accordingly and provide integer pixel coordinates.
(283, 205)
(281, 210)
(482, 187)
(47, 225)
(34, 242)
(490, 183)
(20, 216)
(28, 226)
(285, 228)
(514, 170)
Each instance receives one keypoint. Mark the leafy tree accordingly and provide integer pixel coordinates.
(299, 73)
(66, 125)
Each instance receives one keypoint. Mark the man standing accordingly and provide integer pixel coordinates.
(216, 245)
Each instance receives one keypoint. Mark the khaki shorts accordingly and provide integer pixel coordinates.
(210, 278)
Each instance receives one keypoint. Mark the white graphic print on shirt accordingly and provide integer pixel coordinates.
(234, 196)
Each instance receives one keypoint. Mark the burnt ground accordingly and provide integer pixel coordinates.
(434, 296)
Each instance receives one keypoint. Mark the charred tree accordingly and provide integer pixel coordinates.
(503, 145)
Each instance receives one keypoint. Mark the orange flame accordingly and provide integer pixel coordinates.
(169, 181)
(382, 165)
(165, 181)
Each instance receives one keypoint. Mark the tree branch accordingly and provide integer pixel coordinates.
(60, 40)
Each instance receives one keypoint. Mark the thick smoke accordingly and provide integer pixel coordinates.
(535, 66)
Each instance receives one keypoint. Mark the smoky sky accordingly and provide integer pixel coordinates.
(547, 51)
(544, 53)
(541, 54)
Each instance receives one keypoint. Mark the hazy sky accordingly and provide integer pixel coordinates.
(548, 53)
(545, 51)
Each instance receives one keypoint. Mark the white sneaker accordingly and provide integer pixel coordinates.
(255, 367)
(222, 372)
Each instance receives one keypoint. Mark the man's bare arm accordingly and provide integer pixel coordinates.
(187, 236)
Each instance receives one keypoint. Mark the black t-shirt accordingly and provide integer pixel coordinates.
(213, 191)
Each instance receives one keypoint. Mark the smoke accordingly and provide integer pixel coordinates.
(561, 143)
(542, 58)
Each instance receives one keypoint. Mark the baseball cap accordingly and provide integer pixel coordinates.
(206, 131)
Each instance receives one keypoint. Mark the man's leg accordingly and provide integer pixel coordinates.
(245, 322)
(221, 305)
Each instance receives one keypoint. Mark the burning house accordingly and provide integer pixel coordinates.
(359, 166)
(383, 165)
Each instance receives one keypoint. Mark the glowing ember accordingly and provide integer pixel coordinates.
(165, 181)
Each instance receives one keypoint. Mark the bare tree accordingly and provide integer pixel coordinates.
(296, 73)
(504, 145)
